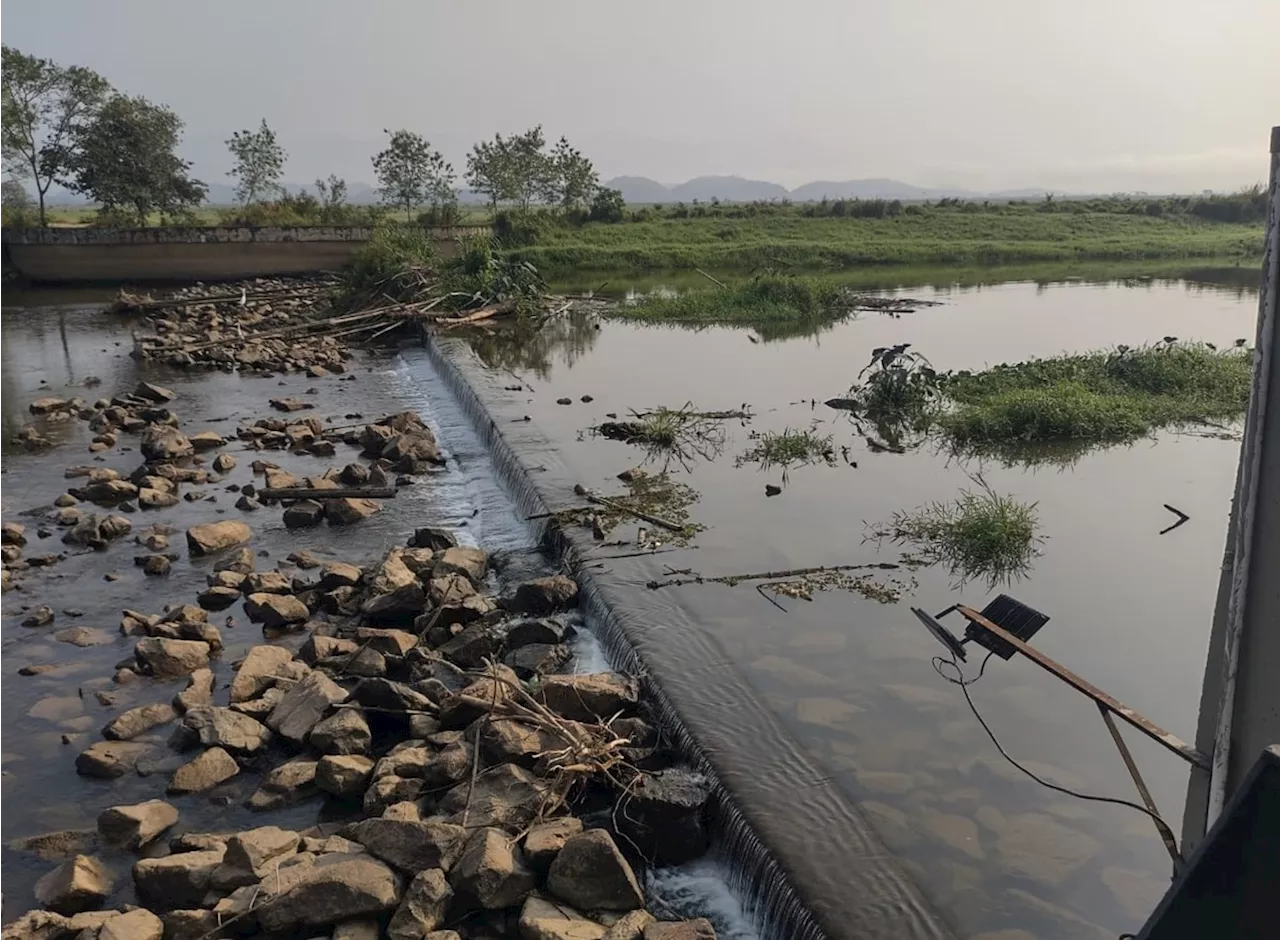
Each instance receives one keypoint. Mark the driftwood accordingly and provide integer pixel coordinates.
(734, 579)
(134, 304)
(340, 492)
(711, 279)
(599, 500)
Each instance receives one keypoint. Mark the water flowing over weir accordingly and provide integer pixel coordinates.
(802, 859)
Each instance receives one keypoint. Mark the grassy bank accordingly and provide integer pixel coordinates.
(933, 235)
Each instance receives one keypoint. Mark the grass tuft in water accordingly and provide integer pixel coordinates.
(1109, 396)
(978, 534)
(788, 449)
(765, 299)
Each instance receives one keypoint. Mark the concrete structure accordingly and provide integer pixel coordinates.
(1240, 699)
(134, 256)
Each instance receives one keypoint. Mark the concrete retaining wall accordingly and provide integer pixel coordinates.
(134, 256)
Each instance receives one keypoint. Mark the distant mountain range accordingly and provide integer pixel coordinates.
(641, 189)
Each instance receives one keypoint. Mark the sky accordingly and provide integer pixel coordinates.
(1079, 96)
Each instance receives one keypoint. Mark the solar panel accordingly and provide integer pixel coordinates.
(1012, 615)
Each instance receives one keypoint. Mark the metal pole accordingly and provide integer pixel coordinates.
(1241, 617)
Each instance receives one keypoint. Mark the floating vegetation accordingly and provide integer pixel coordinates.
(801, 583)
(683, 435)
(788, 448)
(980, 533)
(657, 503)
(894, 399)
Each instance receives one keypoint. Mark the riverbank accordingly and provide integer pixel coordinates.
(136, 713)
(933, 235)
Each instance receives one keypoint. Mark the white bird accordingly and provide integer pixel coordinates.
(244, 297)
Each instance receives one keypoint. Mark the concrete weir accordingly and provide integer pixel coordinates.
(804, 861)
(171, 254)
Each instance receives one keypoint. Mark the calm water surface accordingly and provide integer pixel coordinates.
(852, 678)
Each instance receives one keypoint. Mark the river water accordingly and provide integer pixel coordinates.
(848, 678)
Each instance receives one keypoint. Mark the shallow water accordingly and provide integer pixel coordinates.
(50, 349)
(850, 678)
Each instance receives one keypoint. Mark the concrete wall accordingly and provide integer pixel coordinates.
(133, 256)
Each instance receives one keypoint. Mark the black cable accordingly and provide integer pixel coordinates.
(939, 663)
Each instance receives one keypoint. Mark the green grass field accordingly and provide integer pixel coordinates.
(932, 236)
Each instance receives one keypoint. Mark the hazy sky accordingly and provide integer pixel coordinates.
(1094, 95)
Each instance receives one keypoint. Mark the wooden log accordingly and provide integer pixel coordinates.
(338, 492)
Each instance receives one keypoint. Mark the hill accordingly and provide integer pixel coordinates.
(728, 189)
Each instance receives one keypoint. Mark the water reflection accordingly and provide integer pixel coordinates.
(563, 339)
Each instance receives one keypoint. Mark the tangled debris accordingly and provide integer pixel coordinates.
(800, 583)
(655, 499)
(683, 435)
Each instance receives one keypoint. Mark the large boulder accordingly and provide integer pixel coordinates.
(275, 610)
(213, 726)
(395, 696)
(545, 595)
(411, 845)
(413, 452)
(148, 391)
(138, 924)
(304, 705)
(211, 768)
(544, 840)
(110, 759)
(288, 784)
(343, 775)
(472, 562)
(663, 815)
(165, 658)
(215, 536)
(176, 881)
(698, 929)
(199, 690)
(344, 732)
(128, 725)
(253, 849)
(590, 696)
(258, 671)
(541, 919)
(160, 443)
(491, 872)
(591, 874)
(348, 511)
(395, 594)
(338, 887)
(506, 796)
(303, 514)
(425, 904)
(460, 709)
(81, 883)
(132, 827)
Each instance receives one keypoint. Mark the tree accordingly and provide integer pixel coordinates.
(512, 169)
(44, 105)
(410, 173)
(333, 193)
(573, 181)
(488, 171)
(259, 163)
(124, 160)
(608, 205)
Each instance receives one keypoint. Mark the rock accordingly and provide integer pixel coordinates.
(318, 648)
(78, 884)
(541, 919)
(82, 636)
(68, 516)
(42, 616)
(160, 443)
(365, 928)
(699, 929)
(343, 775)
(336, 888)
(339, 574)
(190, 924)
(491, 871)
(266, 582)
(153, 393)
(348, 511)
(224, 463)
(546, 595)
(207, 440)
(411, 845)
(157, 566)
(630, 926)
(39, 925)
(260, 708)
(163, 657)
(389, 790)
(13, 533)
(248, 504)
(590, 697)
(383, 693)
(547, 630)
(303, 513)
(290, 404)
(217, 598)
(110, 759)
(275, 610)
(288, 784)
(1037, 847)
(545, 840)
(136, 721)
(395, 593)
(304, 705)
(449, 589)
(470, 648)
(434, 538)
(258, 671)
(472, 562)
(212, 726)
(344, 732)
(154, 499)
(59, 845)
(663, 816)
(508, 740)
(413, 453)
(215, 536)
(131, 827)
(425, 904)
(176, 881)
(536, 659)
(238, 562)
(390, 642)
(211, 768)
(506, 796)
(590, 873)
(138, 924)
(254, 849)
(48, 405)
(199, 691)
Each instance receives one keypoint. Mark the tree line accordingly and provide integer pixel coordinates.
(67, 125)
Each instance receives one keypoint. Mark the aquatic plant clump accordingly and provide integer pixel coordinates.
(1112, 396)
(766, 298)
(979, 533)
(788, 449)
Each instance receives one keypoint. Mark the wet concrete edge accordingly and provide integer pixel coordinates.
(816, 870)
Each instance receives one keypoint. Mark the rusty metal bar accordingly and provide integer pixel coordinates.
(1166, 834)
(1170, 742)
